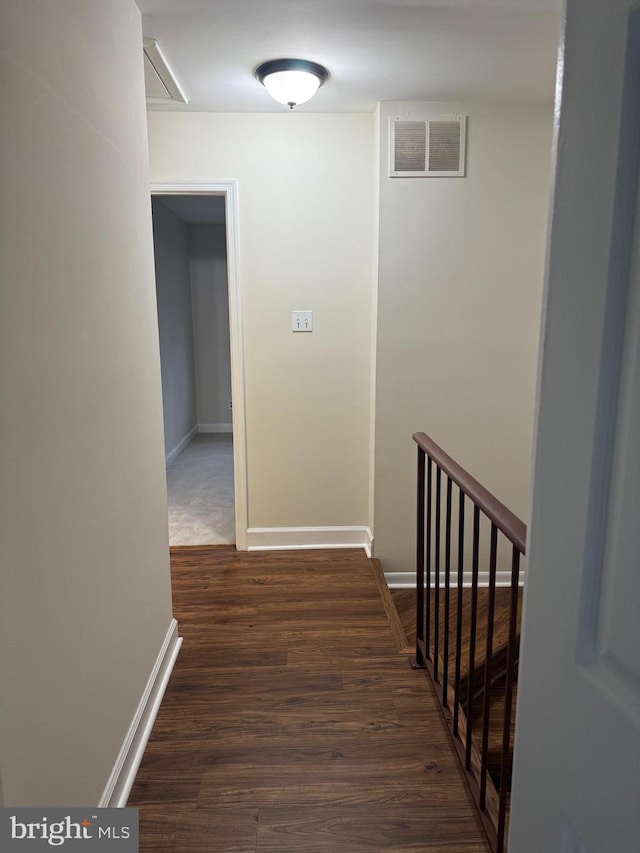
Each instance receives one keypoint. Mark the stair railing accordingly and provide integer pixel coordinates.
(466, 701)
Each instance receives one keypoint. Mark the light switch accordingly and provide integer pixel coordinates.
(302, 321)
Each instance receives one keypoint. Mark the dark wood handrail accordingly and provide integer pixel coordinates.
(508, 523)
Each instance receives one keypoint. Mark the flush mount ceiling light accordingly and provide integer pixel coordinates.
(291, 81)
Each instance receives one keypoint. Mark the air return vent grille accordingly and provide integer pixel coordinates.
(411, 146)
(430, 148)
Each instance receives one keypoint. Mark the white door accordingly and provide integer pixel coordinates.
(577, 754)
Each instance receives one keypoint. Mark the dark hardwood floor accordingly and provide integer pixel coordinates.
(291, 723)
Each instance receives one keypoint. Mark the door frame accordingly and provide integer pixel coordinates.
(228, 189)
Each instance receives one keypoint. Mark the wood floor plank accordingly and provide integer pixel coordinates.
(357, 829)
(204, 831)
(290, 722)
(167, 788)
(280, 728)
(395, 622)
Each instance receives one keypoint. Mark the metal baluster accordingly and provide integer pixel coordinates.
(428, 569)
(436, 594)
(447, 584)
(493, 559)
(456, 690)
(419, 662)
(472, 637)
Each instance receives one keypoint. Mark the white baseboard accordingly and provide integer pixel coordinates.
(368, 546)
(180, 446)
(300, 538)
(118, 787)
(407, 580)
(208, 428)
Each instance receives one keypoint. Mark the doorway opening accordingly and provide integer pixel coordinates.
(198, 321)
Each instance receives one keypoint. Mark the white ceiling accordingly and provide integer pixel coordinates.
(375, 50)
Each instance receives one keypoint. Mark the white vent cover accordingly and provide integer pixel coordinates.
(427, 148)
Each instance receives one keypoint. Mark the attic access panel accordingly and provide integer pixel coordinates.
(433, 147)
(160, 81)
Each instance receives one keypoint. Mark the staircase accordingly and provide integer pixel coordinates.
(404, 601)
(466, 628)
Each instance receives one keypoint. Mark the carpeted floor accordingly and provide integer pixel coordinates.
(200, 491)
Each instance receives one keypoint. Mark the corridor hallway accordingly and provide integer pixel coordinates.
(290, 723)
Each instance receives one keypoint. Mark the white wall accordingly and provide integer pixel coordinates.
(175, 326)
(459, 295)
(85, 595)
(305, 231)
(210, 298)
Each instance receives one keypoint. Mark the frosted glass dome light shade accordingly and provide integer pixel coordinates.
(291, 87)
(291, 81)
